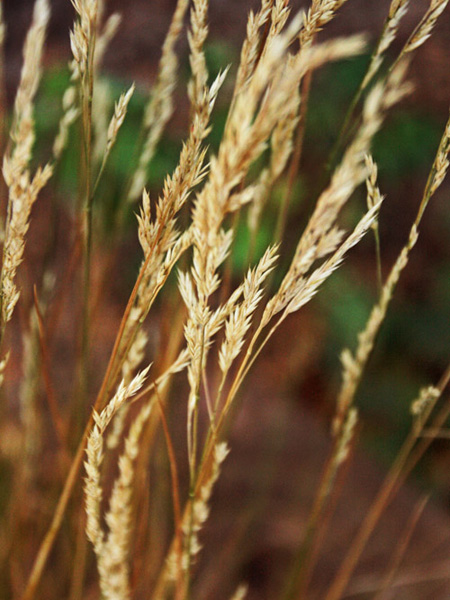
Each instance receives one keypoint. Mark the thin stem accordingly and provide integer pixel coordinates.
(248, 362)
(295, 161)
(207, 458)
(87, 90)
(406, 460)
(79, 568)
(49, 539)
(173, 471)
(316, 527)
(376, 234)
(401, 548)
(344, 131)
(57, 419)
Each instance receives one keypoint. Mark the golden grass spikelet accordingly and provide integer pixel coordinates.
(397, 11)
(281, 144)
(216, 318)
(346, 437)
(427, 396)
(248, 127)
(395, 6)
(157, 277)
(93, 489)
(134, 358)
(113, 560)
(200, 506)
(278, 17)
(282, 136)
(88, 21)
(82, 37)
(159, 236)
(196, 333)
(256, 45)
(296, 288)
(32, 55)
(320, 13)
(160, 107)
(196, 516)
(239, 321)
(204, 268)
(70, 114)
(146, 230)
(196, 37)
(94, 453)
(22, 129)
(79, 47)
(303, 290)
(354, 365)
(373, 192)
(251, 46)
(424, 29)
(162, 94)
(87, 9)
(441, 163)
(104, 130)
(120, 110)
(123, 393)
(104, 38)
(22, 195)
(321, 235)
(187, 292)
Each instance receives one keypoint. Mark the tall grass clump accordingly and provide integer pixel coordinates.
(115, 428)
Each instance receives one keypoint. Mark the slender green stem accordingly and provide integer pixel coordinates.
(87, 90)
(295, 161)
(344, 131)
(248, 362)
(376, 234)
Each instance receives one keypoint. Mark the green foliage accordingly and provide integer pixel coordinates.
(407, 145)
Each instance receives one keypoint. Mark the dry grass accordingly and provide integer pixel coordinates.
(218, 327)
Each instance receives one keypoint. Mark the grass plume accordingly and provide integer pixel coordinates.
(203, 299)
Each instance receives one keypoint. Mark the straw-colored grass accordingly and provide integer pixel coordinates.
(219, 325)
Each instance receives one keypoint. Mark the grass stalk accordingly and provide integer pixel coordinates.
(87, 92)
(214, 325)
(401, 547)
(405, 461)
